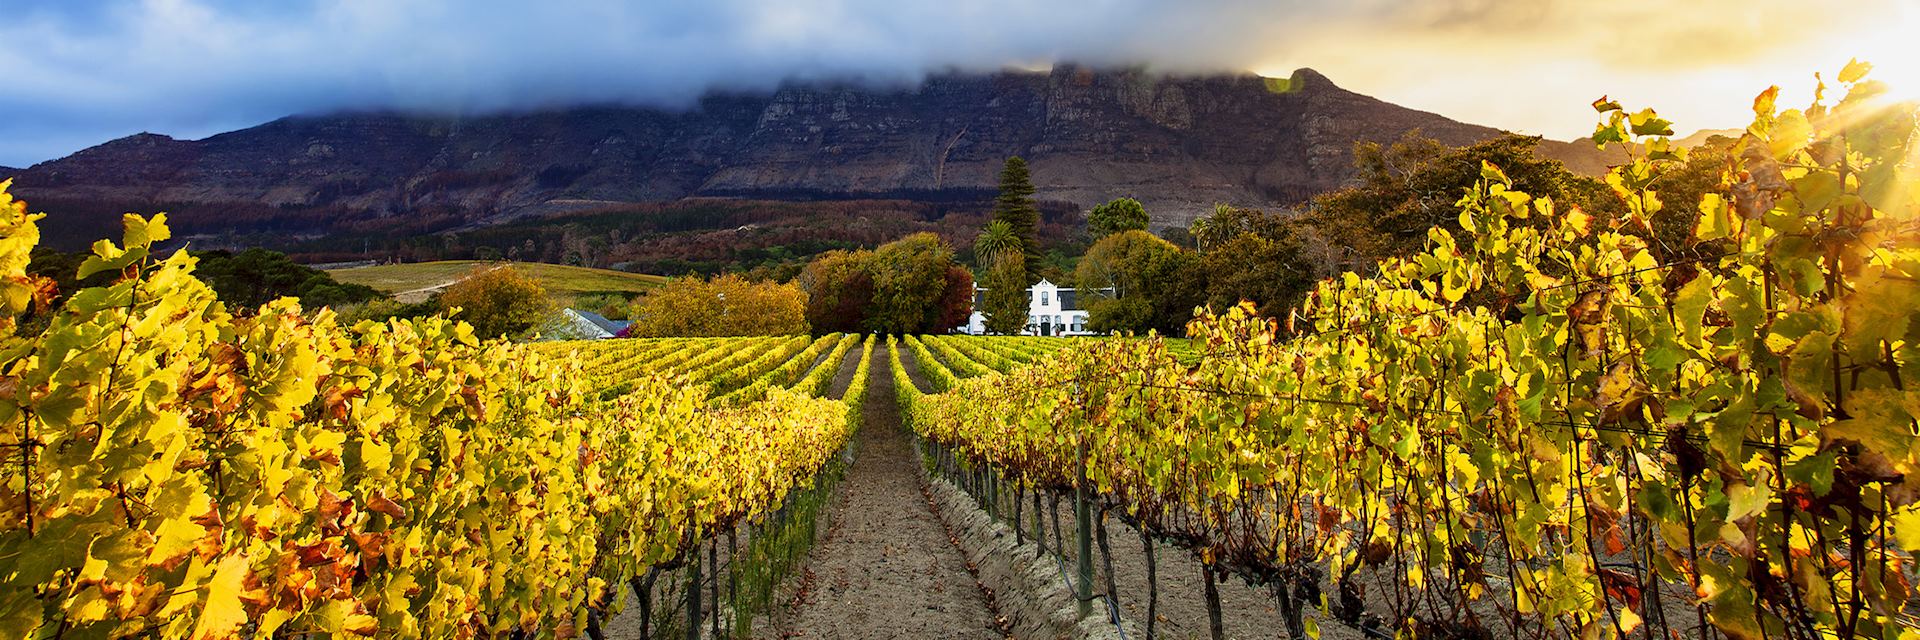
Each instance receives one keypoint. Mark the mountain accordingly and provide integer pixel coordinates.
(1705, 135)
(1177, 143)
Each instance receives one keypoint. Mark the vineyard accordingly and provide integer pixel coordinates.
(1533, 429)
(173, 470)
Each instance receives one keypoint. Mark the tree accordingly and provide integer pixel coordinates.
(1015, 207)
(911, 285)
(497, 301)
(1130, 281)
(1267, 269)
(995, 241)
(254, 277)
(839, 288)
(956, 300)
(1250, 254)
(1004, 303)
(1120, 315)
(1179, 236)
(1115, 216)
(1228, 222)
(909, 278)
(1413, 185)
(727, 305)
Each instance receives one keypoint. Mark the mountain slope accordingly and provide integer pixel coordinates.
(413, 282)
(1179, 144)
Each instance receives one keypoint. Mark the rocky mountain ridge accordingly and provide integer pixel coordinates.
(1177, 143)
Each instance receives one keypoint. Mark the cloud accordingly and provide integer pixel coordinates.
(73, 74)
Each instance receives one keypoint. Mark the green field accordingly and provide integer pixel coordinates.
(417, 281)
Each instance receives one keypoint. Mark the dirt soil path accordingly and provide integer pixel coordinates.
(849, 364)
(887, 567)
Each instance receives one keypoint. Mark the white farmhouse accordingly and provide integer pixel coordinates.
(1052, 310)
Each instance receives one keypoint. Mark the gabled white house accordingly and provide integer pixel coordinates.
(1052, 310)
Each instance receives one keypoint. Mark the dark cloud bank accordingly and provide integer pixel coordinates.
(74, 74)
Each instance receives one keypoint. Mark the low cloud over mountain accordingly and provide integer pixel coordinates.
(80, 72)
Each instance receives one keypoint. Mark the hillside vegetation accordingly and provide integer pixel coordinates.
(417, 281)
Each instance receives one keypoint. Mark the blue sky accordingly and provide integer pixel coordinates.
(74, 73)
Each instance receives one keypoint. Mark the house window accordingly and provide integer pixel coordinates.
(1043, 299)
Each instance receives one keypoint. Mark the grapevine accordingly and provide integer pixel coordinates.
(174, 470)
(1537, 430)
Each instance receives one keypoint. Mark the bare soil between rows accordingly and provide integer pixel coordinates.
(886, 567)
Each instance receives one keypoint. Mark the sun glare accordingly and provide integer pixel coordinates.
(1891, 50)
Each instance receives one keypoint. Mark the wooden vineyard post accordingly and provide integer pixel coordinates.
(1153, 583)
(1019, 526)
(713, 593)
(993, 493)
(1215, 628)
(693, 595)
(1083, 537)
(1106, 567)
(1039, 525)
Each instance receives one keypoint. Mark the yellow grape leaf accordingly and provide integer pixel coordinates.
(375, 455)
(1790, 134)
(224, 612)
(175, 536)
(1906, 528)
(88, 607)
(1745, 500)
(273, 619)
(334, 616)
(1716, 219)
(141, 232)
(1763, 104)
(1647, 123)
(1578, 223)
(1628, 620)
(1855, 70)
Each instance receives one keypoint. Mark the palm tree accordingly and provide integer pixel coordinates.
(996, 241)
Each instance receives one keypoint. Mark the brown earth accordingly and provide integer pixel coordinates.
(886, 568)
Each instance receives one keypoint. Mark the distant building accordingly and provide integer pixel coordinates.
(574, 324)
(1052, 310)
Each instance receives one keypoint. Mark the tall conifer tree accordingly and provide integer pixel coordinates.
(1016, 208)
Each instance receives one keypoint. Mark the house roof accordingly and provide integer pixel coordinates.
(1069, 300)
(610, 326)
(1069, 297)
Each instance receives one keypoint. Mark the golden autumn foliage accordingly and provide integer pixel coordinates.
(497, 301)
(1539, 419)
(726, 305)
(178, 471)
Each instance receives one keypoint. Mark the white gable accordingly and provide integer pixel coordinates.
(1046, 314)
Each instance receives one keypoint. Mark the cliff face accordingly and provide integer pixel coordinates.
(1179, 144)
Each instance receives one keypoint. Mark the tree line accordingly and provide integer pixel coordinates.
(1133, 279)
(1130, 278)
